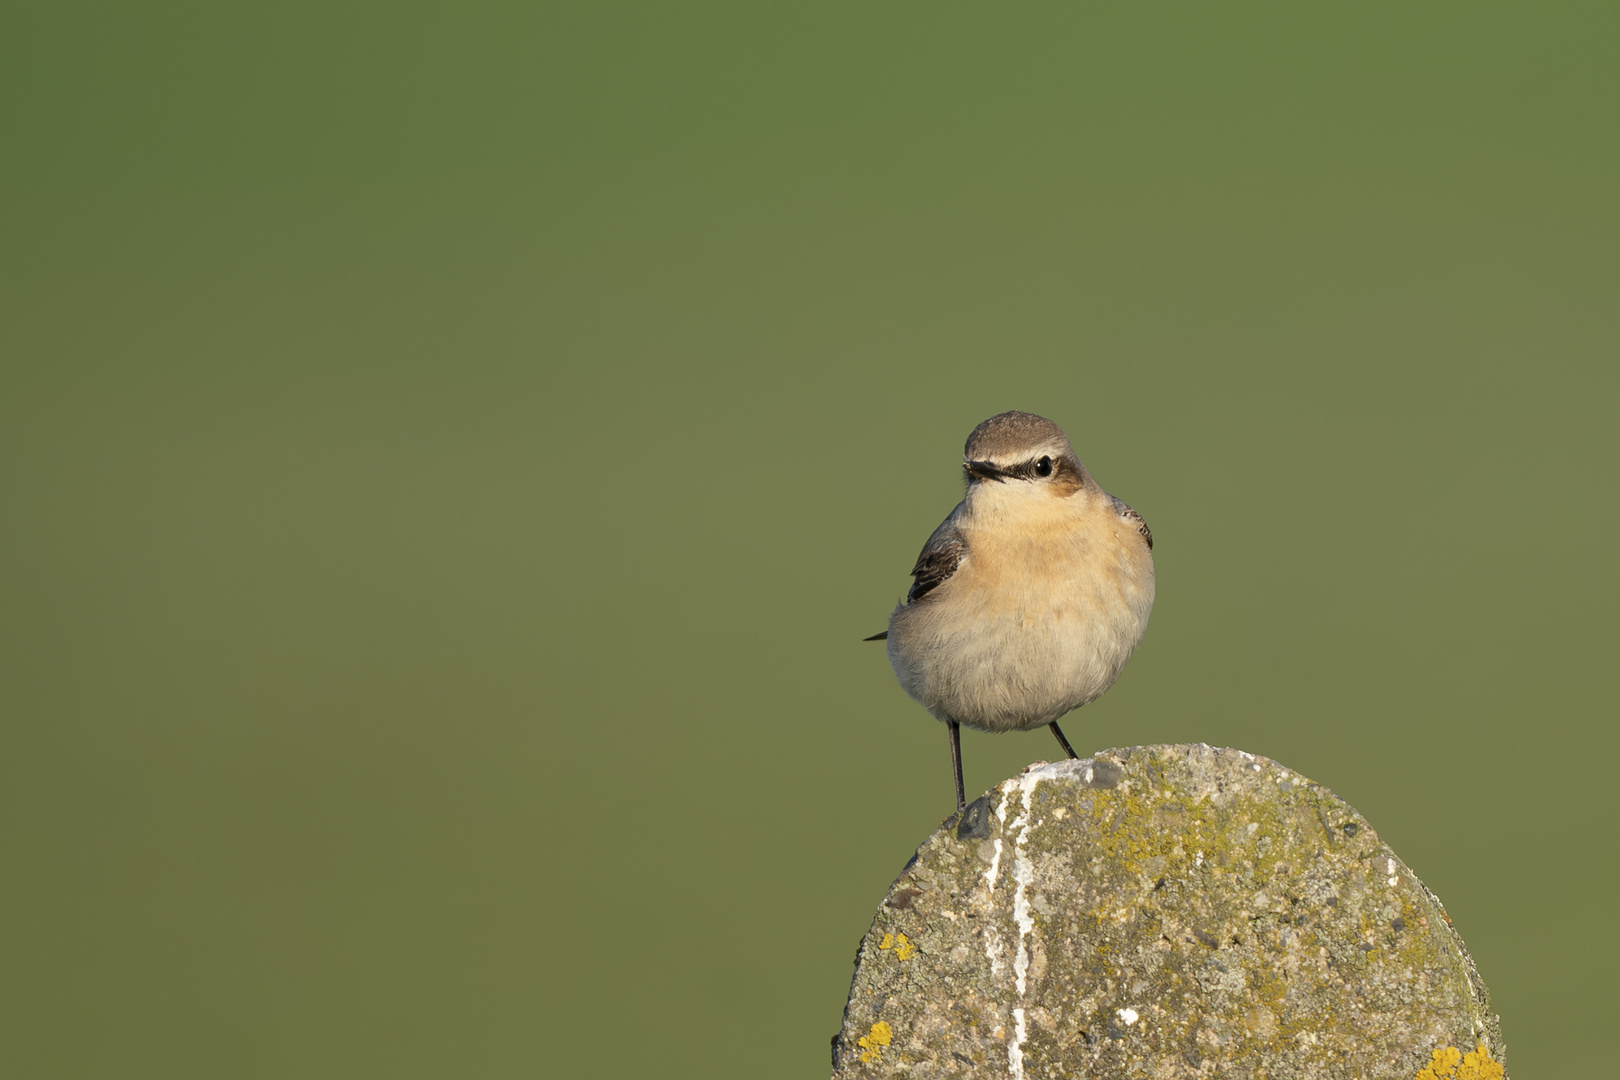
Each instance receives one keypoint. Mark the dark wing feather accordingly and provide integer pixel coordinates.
(939, 559)
(1134, 518)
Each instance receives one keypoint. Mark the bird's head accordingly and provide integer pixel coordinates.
(1021, 456)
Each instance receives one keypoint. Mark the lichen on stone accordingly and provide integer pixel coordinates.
(873, 1042)
(1449, 1063)
(1169, 911)
(902, 946)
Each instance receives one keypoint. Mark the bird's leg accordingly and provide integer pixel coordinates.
(1067, 749)
(956, 760)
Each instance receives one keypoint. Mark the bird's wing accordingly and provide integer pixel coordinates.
(939, 559)
(1134, 518)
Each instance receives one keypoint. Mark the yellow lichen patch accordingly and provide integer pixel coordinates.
(873, 1042)
(1442, 1064)
(1479, 1065)
(902, 946)
(1449, 1063)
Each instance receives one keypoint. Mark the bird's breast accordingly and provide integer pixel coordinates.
(1069, 570)
(1039, 619)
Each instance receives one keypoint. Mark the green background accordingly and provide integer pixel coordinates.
(451, 454)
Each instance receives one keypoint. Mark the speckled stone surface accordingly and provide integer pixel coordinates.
(1160, 911)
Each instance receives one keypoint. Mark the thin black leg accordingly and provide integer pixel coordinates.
(956, 760)
(1067, 749)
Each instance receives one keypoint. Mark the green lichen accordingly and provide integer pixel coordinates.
(1203, 905)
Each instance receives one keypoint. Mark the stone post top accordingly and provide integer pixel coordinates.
(1165, 911)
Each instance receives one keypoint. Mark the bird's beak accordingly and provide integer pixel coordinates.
(984, 470)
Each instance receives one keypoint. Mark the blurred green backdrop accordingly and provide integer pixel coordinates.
(451, 454)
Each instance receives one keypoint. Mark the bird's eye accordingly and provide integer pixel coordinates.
(1043, 467)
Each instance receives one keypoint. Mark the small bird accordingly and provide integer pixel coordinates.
(1029, 598)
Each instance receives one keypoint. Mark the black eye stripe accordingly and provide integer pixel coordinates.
(1031, 470)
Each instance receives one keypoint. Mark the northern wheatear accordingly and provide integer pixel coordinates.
(1029, 598)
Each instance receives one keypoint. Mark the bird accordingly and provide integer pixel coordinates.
(1030, 597)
